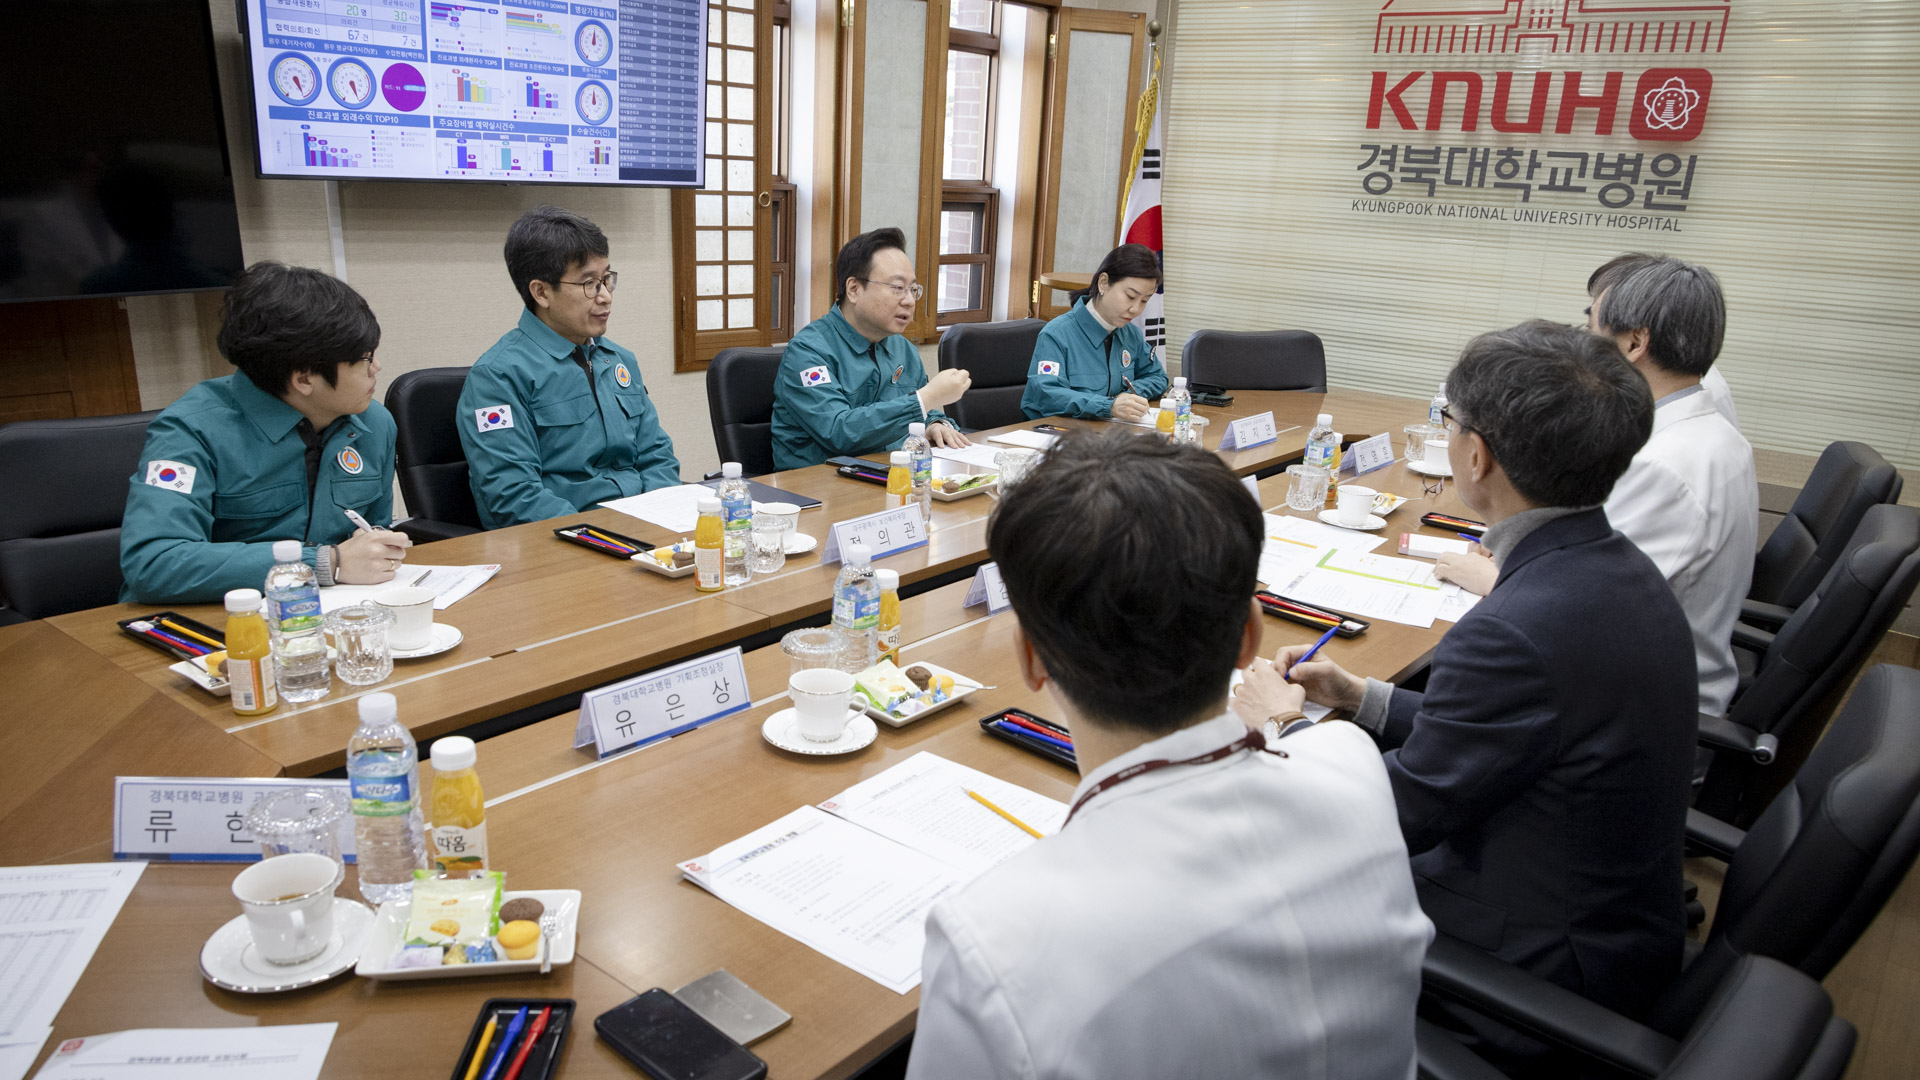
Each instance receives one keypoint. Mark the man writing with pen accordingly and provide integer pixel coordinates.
(286, 449)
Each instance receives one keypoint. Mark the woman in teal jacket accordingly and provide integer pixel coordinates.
(1093, 361)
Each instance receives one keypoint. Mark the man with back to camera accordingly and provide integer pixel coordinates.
(849, 383)
(1542, 779)
(1691, 499)
(1713, 383)
(1211, 907)
(279, 451)
(554, 418)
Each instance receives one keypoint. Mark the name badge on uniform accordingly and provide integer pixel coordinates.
(1049, 367)
(1126, 358)
(171, 475)
(350, 461)
(816, 376)
(622, 376)
(493, 417)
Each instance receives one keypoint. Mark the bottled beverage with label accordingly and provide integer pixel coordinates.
(1434, 407)
(920, 454)
(293, 618)
(736, 502)
(1163, 417)
(899, 479)
(249, 655)
(709, 541)
(1182, 410)
(459, 807)
(383, 779)
(888, 581)
(856, 608)
(1322, 442)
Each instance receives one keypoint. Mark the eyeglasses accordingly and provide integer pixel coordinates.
(916, 290)
(591, 286)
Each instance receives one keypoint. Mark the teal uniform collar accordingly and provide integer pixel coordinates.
(1081, 318)
(549, 340)
(855, 341)
(273, 418)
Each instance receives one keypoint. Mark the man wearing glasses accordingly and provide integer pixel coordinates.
(554, 418)
(849, 382)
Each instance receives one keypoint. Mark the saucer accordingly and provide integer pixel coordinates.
(800, 543)
(782, 730)
(1425, 469)
(230, 961)
(1332, 517)
(444, 637)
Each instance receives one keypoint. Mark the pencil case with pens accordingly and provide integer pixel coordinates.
(542, 1054)
(184, 639)
(604, 541)
(1454, 524)
(1029, 732)
(1308, 615)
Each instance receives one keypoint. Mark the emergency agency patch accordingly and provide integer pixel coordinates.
(350, 461)
(1126, 358)
(493, 417)
(622, 376)
(171, 475)
(816, 376)
(1049, 367)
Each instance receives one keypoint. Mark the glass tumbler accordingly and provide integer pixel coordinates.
(1417, 436)
(306, 820)
(1306, 487)
(769, 545)
(814, 647)
(361, 654)
(1014, 465)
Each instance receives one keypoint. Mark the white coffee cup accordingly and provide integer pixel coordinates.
(1356, 505)
(412, 609)
(1436, 455)
(288, 901)
(821, 700)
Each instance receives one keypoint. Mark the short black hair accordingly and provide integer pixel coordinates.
(1678, 304)
(1127, 261)
(1561, 410)
(544, 242)
(1131, 564)
(856, 257)
(280, 319)
(1614, 269)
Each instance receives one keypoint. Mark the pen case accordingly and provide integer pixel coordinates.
(1308, 615)
(571, 534)
(165, 646)
(543, 1060)
(1453, 524)
(994, 726)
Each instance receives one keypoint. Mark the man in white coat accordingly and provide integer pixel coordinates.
(1713, 383)
(1215, 905)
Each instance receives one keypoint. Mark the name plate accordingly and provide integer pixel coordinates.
(200, 818)
(663, 703)
(884, 533)
(1370, 454)
(1249, 431)
(988, 589)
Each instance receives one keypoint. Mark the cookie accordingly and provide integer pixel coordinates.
(526, 909)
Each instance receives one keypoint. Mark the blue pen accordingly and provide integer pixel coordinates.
(506, 1043)
(1468, 537)
(1034, 735)
(1308, 655)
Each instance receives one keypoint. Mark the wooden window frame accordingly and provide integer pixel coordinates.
(780, 265)
(987, 198)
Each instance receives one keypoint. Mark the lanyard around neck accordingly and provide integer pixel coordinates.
(1252, 740)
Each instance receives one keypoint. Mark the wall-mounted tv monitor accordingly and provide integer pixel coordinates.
(539, 91)
(115, 178)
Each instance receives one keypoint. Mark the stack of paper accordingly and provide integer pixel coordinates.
(289, 1052)
(1033, 440)
(979, 455)
(51, 920)
(675, 509)
(450, 585)
(1294, 545)
(1370, 586)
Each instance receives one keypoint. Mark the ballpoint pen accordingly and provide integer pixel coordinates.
(1308, 655)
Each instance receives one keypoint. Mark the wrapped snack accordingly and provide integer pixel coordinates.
(450, 914)
(884, 685)
(419, 956)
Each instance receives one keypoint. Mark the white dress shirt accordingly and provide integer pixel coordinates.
(1691, 502)
(1253, 916)
(1714, 385)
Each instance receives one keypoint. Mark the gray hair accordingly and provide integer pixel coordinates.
(1678, 304)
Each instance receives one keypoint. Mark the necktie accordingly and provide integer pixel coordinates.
(314, 440)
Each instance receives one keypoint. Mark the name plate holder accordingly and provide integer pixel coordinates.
(662, 703)
(1370, 454)
(1249, 432)
(988, 589)
(200, 818)
(885, 533)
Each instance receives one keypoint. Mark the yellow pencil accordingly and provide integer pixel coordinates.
(171, 625)
(480, 1051)
(1024, 827)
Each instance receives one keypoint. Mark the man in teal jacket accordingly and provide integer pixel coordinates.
(554, 418)
(1093, 361)
(849, 383)
(280, 451)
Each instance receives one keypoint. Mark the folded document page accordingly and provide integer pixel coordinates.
(450, 585)
(1370, 586)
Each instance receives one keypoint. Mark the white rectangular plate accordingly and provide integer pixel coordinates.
(648, 562)
(213, 684)
(383, 939)
(962, 687)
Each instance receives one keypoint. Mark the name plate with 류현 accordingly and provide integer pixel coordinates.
(1370, 454)
(1249, 431)
(988, 589)
(200, 818)
(663, 703)
(884, 533)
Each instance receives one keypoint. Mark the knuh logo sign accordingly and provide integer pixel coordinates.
(1554, 26)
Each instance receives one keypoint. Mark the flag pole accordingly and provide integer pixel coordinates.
(1143, 116)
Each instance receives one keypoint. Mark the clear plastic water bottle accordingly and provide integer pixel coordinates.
(736, 501)
(920, 454)
(1322, 441)
(1182, 401)
(1434, 407)
(856, 608)
(293, 618)
(383, 777)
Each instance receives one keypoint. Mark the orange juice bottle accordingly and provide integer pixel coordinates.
(1163, 423)
(899, 480)
(889, 582)
(459, 809)
(709, 536)
(249, 655)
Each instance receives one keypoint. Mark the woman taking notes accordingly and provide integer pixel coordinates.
(1093, 361)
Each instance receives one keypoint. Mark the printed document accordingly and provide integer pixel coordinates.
(288, 1052)
(923, 803)
(979, 455)
(1294, 544)
(675, 509)
(1370, 586)
(450, 585)
(51, 920)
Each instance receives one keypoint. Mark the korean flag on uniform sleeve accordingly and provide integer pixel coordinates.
(816, 376)
(493, 417)
(171, 475)
(1049, 367)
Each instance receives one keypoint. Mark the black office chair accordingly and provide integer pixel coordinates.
(1848, 478)
(432, 466)
(740, 403)
(1800, 673)
(1262, 360)
(63, 491)
(997, 356)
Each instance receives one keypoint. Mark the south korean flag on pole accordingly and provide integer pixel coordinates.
(1141, 224)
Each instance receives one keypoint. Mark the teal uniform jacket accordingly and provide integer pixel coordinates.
(839, 394)
(224, 475)
(1078, 367)
(542, 443)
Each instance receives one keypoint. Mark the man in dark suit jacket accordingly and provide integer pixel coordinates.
(1542, 778)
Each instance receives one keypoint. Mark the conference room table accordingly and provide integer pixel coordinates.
(614, 828)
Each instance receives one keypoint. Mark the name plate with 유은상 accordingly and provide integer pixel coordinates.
(988, 589)
(1370, 454)
(884, 533)
(662, 703)
(201, 818)
(1250, 431)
